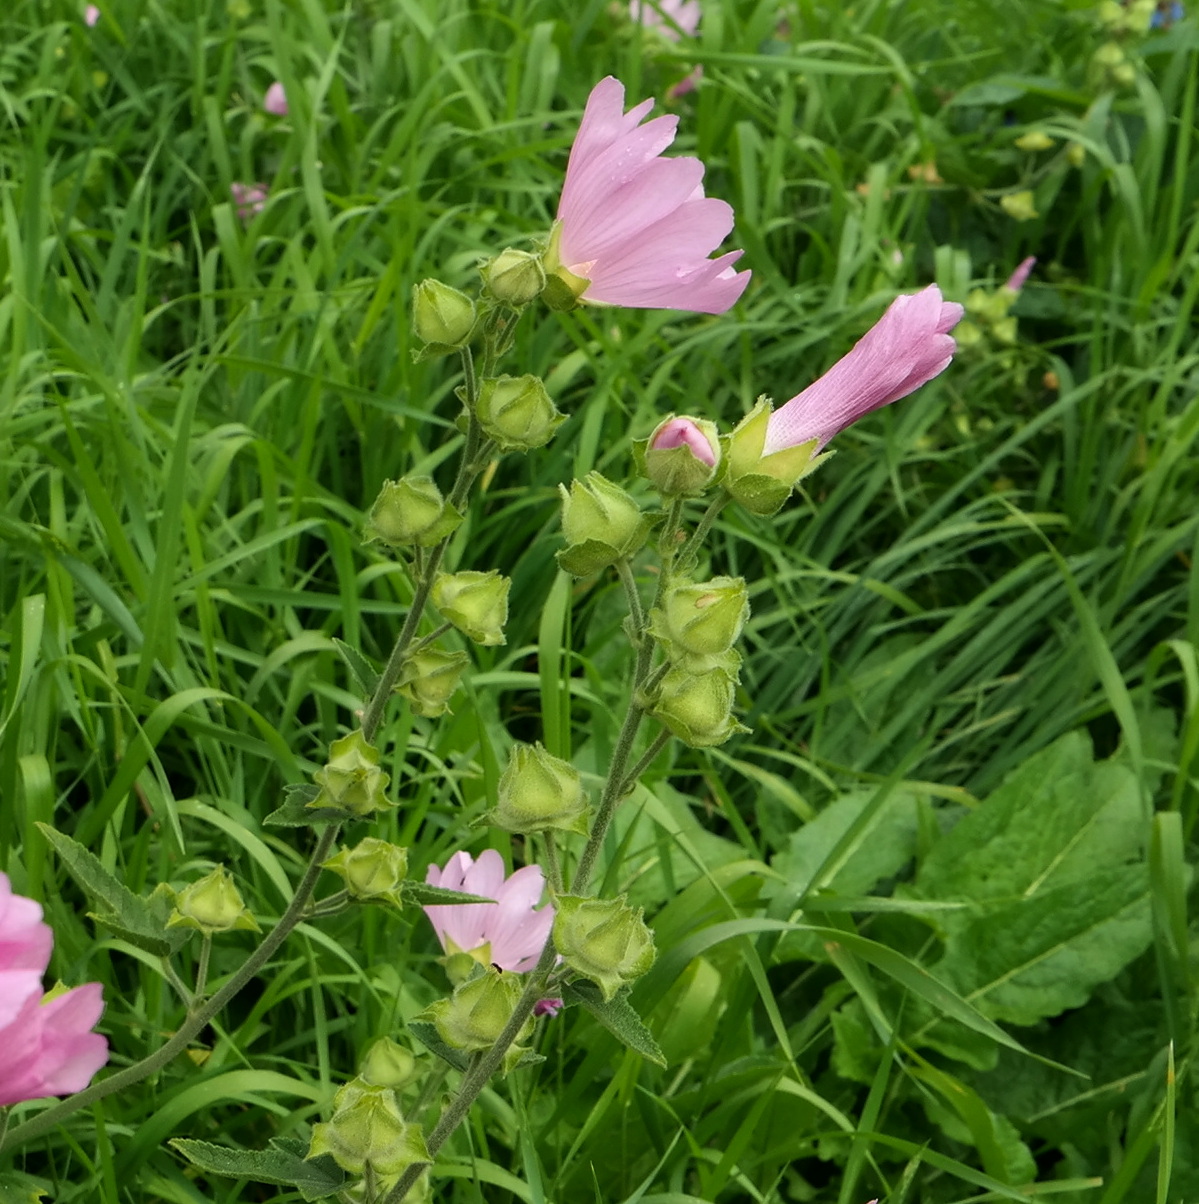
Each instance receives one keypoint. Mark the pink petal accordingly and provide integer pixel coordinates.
(25, 941)
(71, 1053)
(1020, 275)
(682, 432)
(275, 100)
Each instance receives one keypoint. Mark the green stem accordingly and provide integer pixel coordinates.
(169, 973)
(647, 758)
(202, 968)
(43, 1122)
(552, 864)
(691, 547)
(426, 640)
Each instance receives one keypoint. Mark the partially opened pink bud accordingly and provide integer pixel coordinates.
(906, 347)
(685, 432)
(275, 100)
(1017, 279)
(634, 228)
(91, 15)
(548, 1007)
(47, 1046)
(509, 933)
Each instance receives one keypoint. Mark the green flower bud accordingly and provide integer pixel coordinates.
(476, 603)
(517, 412)
(681, 458)
(410, 511)
(514, 277)
(368, 1127)
(352, 781)
(421, 1192)
(539, 791)
(475, 1015)
(212, 904)
(700, 622)
(442, 317)
(602, 524)
(759, 482)
(387, 1065)
(697, 707)
(372, 870)
(429, 678)
(604, 940)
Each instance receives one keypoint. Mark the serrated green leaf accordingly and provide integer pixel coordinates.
(139, 921)
(360, 668)
(295, 812)
(424, 894)
(618, 1017)
(316, 1179)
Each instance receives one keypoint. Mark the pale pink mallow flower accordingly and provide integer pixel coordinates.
(509, 933)
(250, 199)
(275, 100)
(1017, 279)
(906, 347)
(671, 18)
(633, 228)
(91, 15)
(47, 1046)
(683, 432)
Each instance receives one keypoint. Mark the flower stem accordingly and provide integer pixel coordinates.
(43, 1122)
(202, 968)
(552, 863)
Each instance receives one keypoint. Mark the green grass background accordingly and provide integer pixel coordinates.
(997, 573)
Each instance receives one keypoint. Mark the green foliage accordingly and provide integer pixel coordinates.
(916, 871)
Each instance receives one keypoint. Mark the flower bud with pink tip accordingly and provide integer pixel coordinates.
(633, 228)
(681, 456)
(275, 100)
(1017, 279)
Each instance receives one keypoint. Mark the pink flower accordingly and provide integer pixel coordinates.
(548, 1007)
(508, 933)
(250, 199)
(275, 100)
(671, 18)
(47, 1046)
(907, 346)
(91, 15)
(688, 83)
(1020, 275)
(683, 432)
(634, 228)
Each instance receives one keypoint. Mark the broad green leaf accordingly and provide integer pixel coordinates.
(141, 922)
(1038, 957)
(316, 1179)
(618, 1017)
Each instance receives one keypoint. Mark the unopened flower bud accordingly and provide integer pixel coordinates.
(387, 1065)
(475, 1015)
(517, 412)
(372, 870)
(681, 457)
(604, 940)
(762, 483)
(697, 707)
(429, 678)
(514, 277)
(443, 318)
(352, 781)
(602, 524)
(538, 792)
(1035, 140)
(411, 511)
(1019, 205)
(1076, 154)
(476, 603)
(700, 622)
(368, 1127)
(212, 904)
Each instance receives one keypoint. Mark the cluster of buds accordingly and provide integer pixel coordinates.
(602, 524)
(351, 780)
(212, 904)
(604, 940)
(697, 626)
(539, 792)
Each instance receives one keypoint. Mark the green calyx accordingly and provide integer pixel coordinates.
(429, 678)
(373, 870)
(477, 1012)
(351, 780)
(762, 483)
(410, 511)
(698, 707)
(212, 904)
(517, 413)
(476, 603)
(367, 1127)
(539, 792)
(699, 622)
(604, 940)
(602, 524)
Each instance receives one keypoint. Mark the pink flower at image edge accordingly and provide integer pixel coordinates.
(670, 18)
(906, 347)
(47, 1046)
(634, 227)
(513, 926)
(91, 15)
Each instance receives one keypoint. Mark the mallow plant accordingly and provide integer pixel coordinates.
(635, 229)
